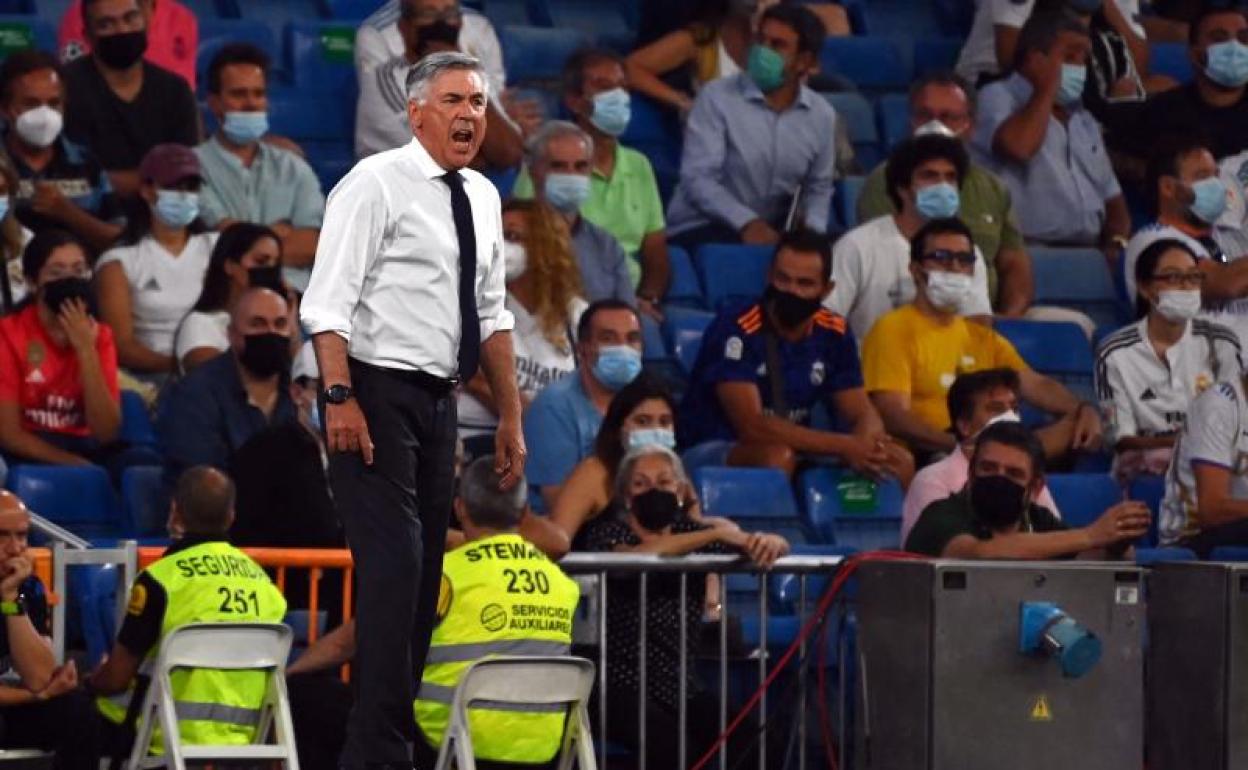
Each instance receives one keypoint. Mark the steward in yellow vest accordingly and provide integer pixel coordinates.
(500, 595)
(200, 579)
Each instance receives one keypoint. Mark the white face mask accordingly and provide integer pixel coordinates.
(1178, 304)
(39, 127)
(935, 127)
(515, 260)
(948, 291)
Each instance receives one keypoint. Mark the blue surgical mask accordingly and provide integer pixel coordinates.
(567, 192)
(765, 68)
(245, 127)
(4, 206)
(664, 437)
(1210, 199)
(937, 201)
(617, 365)
(1074, 77)
(177, 208)
(1227, 63)
(612, 111)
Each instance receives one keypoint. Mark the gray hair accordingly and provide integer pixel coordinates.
(536, 149)
(624, 476)
(423, 73)
(486, 505)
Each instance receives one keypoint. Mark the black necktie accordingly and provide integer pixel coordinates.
(470, 325)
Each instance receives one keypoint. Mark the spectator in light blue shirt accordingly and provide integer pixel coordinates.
(562, 422)
(754, 139)
(249, 180)
(1034, 133)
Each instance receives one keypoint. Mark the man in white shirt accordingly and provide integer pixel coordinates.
(871, 263)
(1206, 503)
(397, 36)
(976, 400)
(406, 297)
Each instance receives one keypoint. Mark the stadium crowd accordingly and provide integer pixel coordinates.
(156, 246)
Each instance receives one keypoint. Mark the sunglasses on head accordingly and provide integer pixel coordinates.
(946, 258)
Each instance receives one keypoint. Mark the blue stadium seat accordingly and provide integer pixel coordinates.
(214, 34)
(279, 13)
(352, 10)
(1146, 557)
(605, 21)
(136, 421)
(731, 272)
(654, 131)
(1059, 350)
(322, 57)
(23, 8)
(144, 500)
(954, 17)
(848, 189)
(1170, 59)
(1076, 278)
(834, 522)
(331, 162)
(535, 55)
(19, 32)
(504, 12)
(79, 498)
(759, 498)
(1229, 553)
(653, 348)
(211, 9)
(872, 63)
(309, 117)
(894, 120)
(936, 54)
(859, 119)
(1083, 497)
(684, 330)
(684, 288)
(1150, 490)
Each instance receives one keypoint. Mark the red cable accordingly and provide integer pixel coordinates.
(848, 566)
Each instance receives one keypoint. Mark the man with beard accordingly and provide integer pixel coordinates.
(764, 365)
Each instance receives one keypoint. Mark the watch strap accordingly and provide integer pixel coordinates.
(16, 607)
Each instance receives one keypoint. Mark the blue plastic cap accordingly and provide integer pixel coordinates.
(1081, 650)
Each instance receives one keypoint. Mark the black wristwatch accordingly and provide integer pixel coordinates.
(338, 394)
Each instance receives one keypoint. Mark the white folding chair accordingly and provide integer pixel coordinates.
(523, 681)
(222, 646)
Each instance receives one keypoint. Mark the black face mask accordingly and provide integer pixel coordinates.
(790, 310)
(57, 293)
(266, 278)
(656, 509)
(120, 51)
(440, 31)
(998, 502)
(265, 355)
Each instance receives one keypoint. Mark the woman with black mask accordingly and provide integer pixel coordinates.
(651, 518)
(59, 398)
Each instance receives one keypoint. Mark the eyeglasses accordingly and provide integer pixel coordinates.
(1194, 279)
(947, 259)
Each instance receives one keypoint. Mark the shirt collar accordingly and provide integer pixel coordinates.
(215, 146)
(752, 93)
(190, 541)
(424, 161)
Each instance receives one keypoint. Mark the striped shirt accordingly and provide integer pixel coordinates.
(1142, 394)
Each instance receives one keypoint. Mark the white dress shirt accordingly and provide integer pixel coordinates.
(386, 275)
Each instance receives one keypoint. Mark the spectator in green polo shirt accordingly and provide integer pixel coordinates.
(623, 196)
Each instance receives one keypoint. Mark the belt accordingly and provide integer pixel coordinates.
(439, 386)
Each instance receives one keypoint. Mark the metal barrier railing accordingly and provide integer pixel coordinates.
(606, 565)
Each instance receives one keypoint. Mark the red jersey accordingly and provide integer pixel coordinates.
(172, 38)
(43, 378)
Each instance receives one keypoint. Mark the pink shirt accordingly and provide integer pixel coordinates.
(939, 480)
(172, 37)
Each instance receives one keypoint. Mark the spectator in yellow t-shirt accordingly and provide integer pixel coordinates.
(913, 354)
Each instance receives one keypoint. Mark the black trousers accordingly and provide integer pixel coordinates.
(1233, 533)
(395, 514)
(66, 725)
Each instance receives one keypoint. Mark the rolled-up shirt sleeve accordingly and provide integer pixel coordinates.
(492, 292)
(351, 238)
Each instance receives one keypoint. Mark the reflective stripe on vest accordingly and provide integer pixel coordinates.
(504, 597)
(211, 582)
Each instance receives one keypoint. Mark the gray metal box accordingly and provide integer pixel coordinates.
(942, 684)
(1198, 666)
